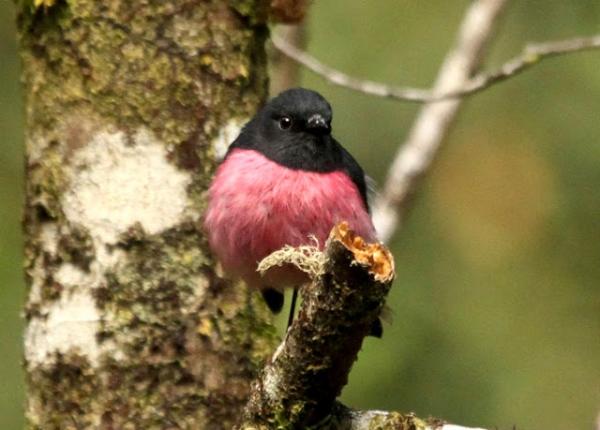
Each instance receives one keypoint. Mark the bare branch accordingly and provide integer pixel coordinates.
(415, 156)
(532, 54)
(344, 80)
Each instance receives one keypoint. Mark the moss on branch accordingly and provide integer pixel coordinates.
(299, 385)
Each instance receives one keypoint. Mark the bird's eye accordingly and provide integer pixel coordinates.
(285, 122)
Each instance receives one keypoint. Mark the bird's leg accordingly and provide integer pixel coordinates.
(292, 307)
(273, 298)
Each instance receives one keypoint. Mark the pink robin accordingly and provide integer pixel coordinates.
(284, 181)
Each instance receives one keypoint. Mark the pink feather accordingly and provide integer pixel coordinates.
(257, 206)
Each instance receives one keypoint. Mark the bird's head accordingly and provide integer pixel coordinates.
(296, 117)
(294, 129)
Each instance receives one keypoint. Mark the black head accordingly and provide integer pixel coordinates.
(293, 129)
(299, 113)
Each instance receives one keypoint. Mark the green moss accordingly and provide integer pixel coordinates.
(186, 343)
(397, 421)
(41, 14)
(119, 64)
(156, 316)
(247, 322)
(255, 11)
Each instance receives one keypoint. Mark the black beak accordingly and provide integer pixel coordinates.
(317, 123)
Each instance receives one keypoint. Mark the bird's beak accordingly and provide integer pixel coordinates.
(317, 123)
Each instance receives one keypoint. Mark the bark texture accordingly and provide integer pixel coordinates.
(128, 103)
(298, 387)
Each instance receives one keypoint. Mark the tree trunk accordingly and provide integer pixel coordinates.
(128, 103)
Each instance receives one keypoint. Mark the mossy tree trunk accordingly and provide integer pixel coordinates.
(128, 103)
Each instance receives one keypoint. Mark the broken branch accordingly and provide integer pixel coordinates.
(298, 386)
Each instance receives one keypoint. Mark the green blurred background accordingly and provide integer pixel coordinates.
(497, 301)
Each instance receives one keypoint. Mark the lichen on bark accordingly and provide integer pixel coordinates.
(298, 386)
(117, 93)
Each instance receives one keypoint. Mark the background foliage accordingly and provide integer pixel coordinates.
(497, 301)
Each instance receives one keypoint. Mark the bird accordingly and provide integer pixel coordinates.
(285, 180)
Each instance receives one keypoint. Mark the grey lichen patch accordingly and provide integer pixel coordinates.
(67, 325)
(115, 90)
(307, 258)
(118, 179)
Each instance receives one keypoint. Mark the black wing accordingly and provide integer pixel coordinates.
(356, 173)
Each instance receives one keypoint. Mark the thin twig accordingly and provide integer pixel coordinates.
(413, 159)
(532, 54)
(344, 80)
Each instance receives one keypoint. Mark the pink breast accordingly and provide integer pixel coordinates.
(257, 206)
